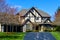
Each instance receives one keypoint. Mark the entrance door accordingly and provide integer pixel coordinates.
(37, 28)
(28, 27)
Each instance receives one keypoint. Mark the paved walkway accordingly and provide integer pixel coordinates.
(39, 36)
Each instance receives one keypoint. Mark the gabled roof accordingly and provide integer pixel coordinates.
(42, 13)
(26, 22)
(22, 12)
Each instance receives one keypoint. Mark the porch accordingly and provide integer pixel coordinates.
(38, 28)
(11, 28)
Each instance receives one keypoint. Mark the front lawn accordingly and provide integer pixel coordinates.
(56, 35)
(20, 35)
(11, 36)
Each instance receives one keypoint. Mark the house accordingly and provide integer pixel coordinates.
(26, 20)
(34, 19)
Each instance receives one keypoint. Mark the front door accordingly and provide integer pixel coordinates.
(28, 27)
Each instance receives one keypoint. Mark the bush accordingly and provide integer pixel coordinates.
(29, 30)
(57, 28)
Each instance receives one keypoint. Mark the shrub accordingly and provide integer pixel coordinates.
(57, 27)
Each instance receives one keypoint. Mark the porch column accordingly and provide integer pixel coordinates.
(39, 28)
(34, 28)
(6, 28)
(24, 28)
(52, 28)
(0, 28)
(16, 29)
(12, 28)
(42, 28)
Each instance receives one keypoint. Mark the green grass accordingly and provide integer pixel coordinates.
(56, 35)
(20, 35)
(12, 36)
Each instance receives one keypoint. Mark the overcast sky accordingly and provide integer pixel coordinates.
(49, 6)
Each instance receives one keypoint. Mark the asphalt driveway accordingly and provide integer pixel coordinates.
(39, 36)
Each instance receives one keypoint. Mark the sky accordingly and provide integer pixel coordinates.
(49, 6)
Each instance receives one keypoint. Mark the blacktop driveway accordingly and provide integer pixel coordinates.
(39, 36)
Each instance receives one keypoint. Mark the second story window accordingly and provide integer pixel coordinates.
(43, 18)
(37, 18)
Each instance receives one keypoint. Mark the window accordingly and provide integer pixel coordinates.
(37, 18)
(43, 18)
(2, 28)
(28, 26)
(32, 19)
(48, 21)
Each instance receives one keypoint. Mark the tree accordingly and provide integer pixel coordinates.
(3, 6)
(6, 8)
(57, 19)
(12, 10)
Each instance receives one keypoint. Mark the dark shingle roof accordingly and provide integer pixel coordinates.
(42, 13)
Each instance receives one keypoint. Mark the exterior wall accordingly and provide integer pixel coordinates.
(22, 20)
(30, 14)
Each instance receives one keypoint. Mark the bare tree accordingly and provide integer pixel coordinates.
(57, 20)
(12, 11)
(6, 9)
(57, 17)
(3, 6)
